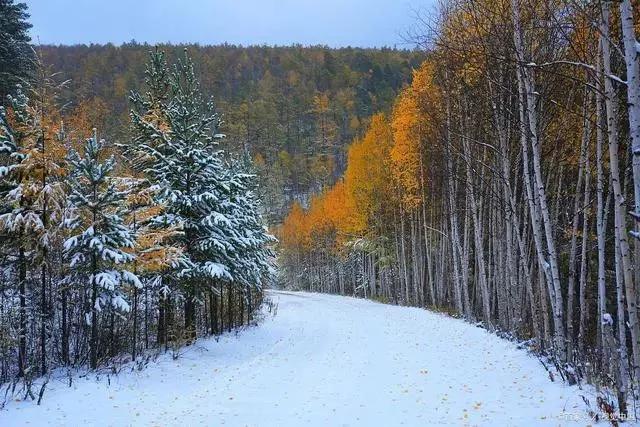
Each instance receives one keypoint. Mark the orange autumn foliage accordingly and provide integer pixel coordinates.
(412, 123)
(405, 154)
(353, 205)
(293, 233)
(367, 176)
(383, 174)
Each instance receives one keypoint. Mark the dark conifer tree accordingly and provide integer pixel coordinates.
(17, 58)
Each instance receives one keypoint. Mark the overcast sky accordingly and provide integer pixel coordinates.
(282, 22)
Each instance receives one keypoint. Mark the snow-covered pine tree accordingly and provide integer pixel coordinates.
(98, 249)
(35, 201)
(175, 145)
(252, 265)
(9, 153)
(150, 129)
(14, 267)
(150, 126)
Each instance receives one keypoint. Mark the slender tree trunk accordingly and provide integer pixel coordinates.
(112, 333)
(601, 228)
(94, 316)
(632, 62)
(527, 95)
(620, 354)
(453, 219)
(162, 321)
(584, 309)
(478, 240)
(146, 318)
(249, 307)
(43, 319)
(134, 333)
(229, 307)
(22, 340)
(64, 340)
(619, 205)
(213, 315)
(168, 329)
(574, 249)
(241, 307)
(189, 320)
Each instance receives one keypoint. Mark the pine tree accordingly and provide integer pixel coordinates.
(175, 145)
(149, 130)
(10, 140)
(17, 59)
(9, 151)
(252, 264)
(35, 201)
(98, 248)
(82, 245)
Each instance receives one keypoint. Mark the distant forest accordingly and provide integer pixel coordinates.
(294, 109)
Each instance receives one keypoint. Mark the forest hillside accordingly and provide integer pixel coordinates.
(294, 109)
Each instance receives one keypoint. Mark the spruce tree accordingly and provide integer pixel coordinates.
(98, 249)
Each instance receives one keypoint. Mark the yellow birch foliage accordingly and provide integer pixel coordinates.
(405, 154)
(319, 224)
(353, 206)
(367, 176)
(341, 210)
(414, 113)
(294, 233)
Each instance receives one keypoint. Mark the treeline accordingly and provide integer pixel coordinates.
(503, 187)
(294, 108)
(110, 248)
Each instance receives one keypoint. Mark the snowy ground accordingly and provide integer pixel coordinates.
(324, 361)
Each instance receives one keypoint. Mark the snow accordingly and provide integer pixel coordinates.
(217, 270)
(129, 277)
(108, 280)
(324, 360)
(607, 319)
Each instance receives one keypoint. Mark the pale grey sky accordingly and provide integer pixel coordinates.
(282, 22)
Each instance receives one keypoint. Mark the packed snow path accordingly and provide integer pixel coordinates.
(323, 361)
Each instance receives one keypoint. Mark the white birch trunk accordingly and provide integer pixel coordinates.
(619, 204)
(632, 62)
(527, 90)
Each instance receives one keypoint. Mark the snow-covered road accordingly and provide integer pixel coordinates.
(323, 361)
